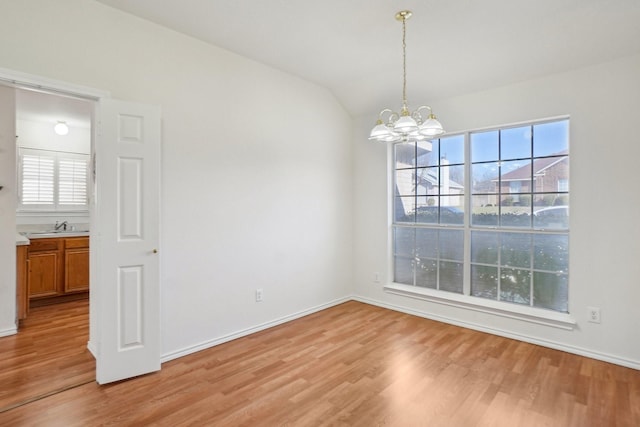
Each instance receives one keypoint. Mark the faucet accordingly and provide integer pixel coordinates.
(62, 225)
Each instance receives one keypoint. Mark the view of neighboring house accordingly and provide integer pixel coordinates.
(550, 174)
(547, 175)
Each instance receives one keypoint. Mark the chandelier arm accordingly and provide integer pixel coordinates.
(425, 106)
(386, 110)
(418, 116)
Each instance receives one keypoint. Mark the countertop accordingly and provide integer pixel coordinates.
(24, 238)
(21, 240)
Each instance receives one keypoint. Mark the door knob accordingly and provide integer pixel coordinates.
(155, 251)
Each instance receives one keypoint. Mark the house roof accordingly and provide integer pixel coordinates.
(539, 166)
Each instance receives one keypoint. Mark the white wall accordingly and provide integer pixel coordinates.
(604, 104)
(7, 212)
(256, 165)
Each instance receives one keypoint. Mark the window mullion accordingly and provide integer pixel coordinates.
(531, 257)
(466, 274)
(416, 260)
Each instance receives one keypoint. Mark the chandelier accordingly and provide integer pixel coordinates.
(406, 126)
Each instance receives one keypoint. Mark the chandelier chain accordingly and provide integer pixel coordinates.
(404, 63)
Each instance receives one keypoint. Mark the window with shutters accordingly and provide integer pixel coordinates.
(52, 181)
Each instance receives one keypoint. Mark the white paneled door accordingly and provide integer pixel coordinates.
(125, 241)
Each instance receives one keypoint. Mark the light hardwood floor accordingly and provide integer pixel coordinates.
(357, 365)
(48, 354)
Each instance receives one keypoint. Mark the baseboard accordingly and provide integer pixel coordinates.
(9, 331)
(92, 349)
(242, 333)
(605, 357)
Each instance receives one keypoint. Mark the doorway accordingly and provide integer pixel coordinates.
(53, 151)
(124, 306)
(49, 352)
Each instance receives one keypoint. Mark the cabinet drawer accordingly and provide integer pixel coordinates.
(76, 242)
(39, 245)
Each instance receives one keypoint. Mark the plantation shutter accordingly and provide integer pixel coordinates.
(72, 182)
(53, 181)
(38, 174)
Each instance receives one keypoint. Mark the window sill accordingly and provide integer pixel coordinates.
(512, 311)
(42, 213)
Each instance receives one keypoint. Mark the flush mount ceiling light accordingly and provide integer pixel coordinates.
(406, 126)
(61, 128)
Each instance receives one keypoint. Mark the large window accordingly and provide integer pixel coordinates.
(486, 214)
(52, 181)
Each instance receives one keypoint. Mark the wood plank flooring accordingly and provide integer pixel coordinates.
(48, 354)
(357, 365)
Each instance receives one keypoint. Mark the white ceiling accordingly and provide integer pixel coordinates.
(353, 47)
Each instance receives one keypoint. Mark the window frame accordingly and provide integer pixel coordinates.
(532, 314)
(56, 206)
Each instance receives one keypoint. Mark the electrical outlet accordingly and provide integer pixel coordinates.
(594, 314)
(376, 277)
(258, 295)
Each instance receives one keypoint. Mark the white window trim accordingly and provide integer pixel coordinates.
(48, 213)
(528, 314)
(525, 313)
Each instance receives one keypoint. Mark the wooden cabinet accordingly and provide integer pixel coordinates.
(43, 274)
(76, 265)
(44, 267)
(58, 267)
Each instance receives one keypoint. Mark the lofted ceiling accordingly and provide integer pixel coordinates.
(353, 47)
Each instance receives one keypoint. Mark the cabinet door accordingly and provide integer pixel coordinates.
(43, 274)
(76, 268)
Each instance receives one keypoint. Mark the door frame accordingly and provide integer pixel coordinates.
(27, 81)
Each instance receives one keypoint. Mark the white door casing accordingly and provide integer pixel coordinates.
(125, 274)
(8, 322)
